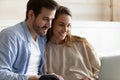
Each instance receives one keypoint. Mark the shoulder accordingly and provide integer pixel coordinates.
(82, 41)
(12, 32)
(12, 29)
(79, 39)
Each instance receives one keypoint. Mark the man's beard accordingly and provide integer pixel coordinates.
(37, 30)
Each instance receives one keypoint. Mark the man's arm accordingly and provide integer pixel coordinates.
(7, 57)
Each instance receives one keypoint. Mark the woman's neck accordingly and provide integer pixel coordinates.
(56, 41)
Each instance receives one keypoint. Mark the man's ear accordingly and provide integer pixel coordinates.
(31, 14)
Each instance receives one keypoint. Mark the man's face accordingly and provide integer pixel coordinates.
(43, 21)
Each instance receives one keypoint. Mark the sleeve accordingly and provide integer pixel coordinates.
(41, 70)
(8, 50)
(94, 60)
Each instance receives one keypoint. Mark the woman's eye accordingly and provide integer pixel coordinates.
(68, 25)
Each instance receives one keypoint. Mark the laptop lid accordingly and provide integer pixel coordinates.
(110, 68)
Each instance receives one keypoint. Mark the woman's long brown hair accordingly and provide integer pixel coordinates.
(69, 38)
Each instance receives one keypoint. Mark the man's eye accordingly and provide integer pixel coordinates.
(61, 24)
(45, 19)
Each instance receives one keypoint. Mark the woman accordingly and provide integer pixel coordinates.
(69, 56)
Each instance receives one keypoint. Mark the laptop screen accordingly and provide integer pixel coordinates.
(110, 68)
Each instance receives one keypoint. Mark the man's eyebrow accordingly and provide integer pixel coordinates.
(48, 18)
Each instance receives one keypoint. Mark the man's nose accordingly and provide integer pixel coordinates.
(48, 24)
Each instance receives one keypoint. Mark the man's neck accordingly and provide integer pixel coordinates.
(32, 32)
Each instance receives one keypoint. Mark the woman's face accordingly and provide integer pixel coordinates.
(61, 27)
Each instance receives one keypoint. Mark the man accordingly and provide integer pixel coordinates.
(22, 46)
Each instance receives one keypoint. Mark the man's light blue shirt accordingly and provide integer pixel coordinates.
(15, 54)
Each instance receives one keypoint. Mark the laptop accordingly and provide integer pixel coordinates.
(110, 68)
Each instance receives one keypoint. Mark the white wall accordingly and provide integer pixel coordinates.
(12, 9)
(104, 36)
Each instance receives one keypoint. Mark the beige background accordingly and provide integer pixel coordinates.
(83, 10)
